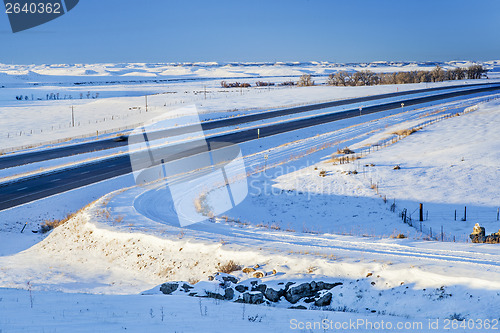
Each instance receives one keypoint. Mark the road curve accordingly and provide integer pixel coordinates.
(30, 189)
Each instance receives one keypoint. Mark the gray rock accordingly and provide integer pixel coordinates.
(253, 298)
(229, 294)
(168, 288)
(214, 295)
(230, 278)
(294, 294)
(288, 284)
(240, 288)
(273, 295)
(261, 287)
(324, 300)
(298, 307)
(186, 287)
(328, 286)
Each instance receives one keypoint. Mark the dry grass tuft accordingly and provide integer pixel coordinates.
(193, 281)
(49, 225)
(228, 267)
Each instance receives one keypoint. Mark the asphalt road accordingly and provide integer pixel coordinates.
(27, 190)
(48, 154)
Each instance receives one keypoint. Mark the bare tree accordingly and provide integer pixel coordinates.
(305, 80)
(476, 72)
(437, 74)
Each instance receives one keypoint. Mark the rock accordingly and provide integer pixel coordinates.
(210, 278)
(258, 275)
(492, 239)
(294, 294)
(273, 295)
(256, 266)
(260, 287)
(230, 278)
(253, 298)
(369, 274)
(478, 234)
(229, 294)
(324, 300)
(186, 287)
(168, 288)
(240, 288)
(247, 270)
(214, 295)
(328, 286)
(298, 307)
(288, 284)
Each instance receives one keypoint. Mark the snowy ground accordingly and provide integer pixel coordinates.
(111, 97)
(306, 227)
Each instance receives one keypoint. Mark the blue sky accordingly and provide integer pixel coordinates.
(254, 30)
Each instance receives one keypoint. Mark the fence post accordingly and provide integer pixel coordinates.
(421, 211)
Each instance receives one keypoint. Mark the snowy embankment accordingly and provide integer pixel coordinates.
(404, 278)
(111, 249)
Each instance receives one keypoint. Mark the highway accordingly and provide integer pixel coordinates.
(12, 160)
(30, 189)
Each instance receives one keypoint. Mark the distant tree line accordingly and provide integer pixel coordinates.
(56, 96)
(438, 74)
(264, 84)
(225, 84)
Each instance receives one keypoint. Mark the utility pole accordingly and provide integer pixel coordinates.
(205, 90)
(402, 106)
(146, 103)
(360, 108)
(72, 116)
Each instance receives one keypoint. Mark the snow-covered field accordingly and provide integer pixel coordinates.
(111, 97)
(307, 216)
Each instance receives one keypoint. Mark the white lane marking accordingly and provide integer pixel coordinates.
(55, 180)
(22, 188)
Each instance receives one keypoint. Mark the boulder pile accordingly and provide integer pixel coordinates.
(254, 291)
(478, 235)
